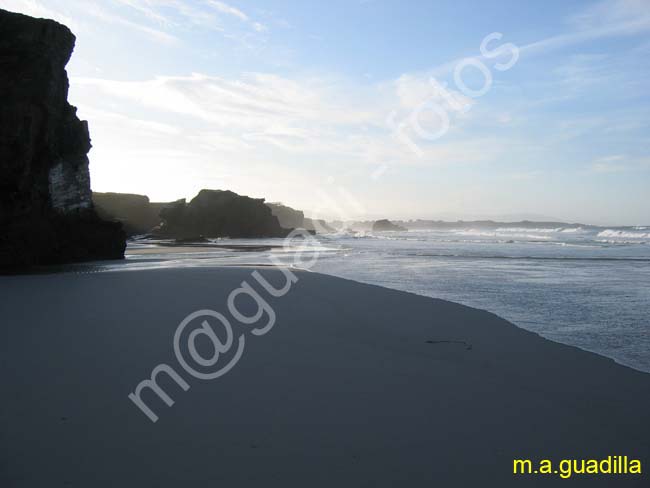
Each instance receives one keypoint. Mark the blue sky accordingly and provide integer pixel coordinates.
(367, 109)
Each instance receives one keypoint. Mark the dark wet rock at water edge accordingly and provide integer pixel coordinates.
(46, 209)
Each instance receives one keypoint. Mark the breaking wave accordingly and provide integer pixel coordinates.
(625, 234)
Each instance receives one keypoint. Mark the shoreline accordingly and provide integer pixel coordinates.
(111, 266)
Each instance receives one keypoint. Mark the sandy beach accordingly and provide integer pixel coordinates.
(354, 385)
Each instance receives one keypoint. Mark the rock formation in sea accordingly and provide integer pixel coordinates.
(46, 210)
(288, 217)
(220, 213)
(319, 226)
(384, 225)
(293, 219)
(136, 213)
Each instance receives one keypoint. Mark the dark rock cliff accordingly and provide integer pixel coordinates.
(136, 213)
(287, 216)
(220, 213)
(46, 210)
(290, 218)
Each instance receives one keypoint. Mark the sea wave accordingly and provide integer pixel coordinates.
(623, 234)
(542, 230)
(527, 258)
(620, 242)
(506, 233)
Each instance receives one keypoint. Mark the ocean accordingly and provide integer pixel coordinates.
(584, 286)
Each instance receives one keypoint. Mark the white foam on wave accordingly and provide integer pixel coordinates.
(623, 234)
(573, 230)
(542, 230)
(506, 233)
(619, 241)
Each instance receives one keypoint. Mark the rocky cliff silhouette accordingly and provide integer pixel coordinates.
(287, 216)
(136, 213)
(46, 210)
(220, 213)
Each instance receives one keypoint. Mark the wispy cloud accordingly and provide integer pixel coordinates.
(295, 116)
(75, 15)
(254, 100)
(37, 9)
(204, 13)
(228, 9)
(160, 20)
(259, 113)
(145, 7)
(611, 12)
(109, 17)
(605, 19)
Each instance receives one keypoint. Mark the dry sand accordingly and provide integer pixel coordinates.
(355, 385)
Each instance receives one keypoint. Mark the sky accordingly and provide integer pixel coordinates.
(364, 109)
